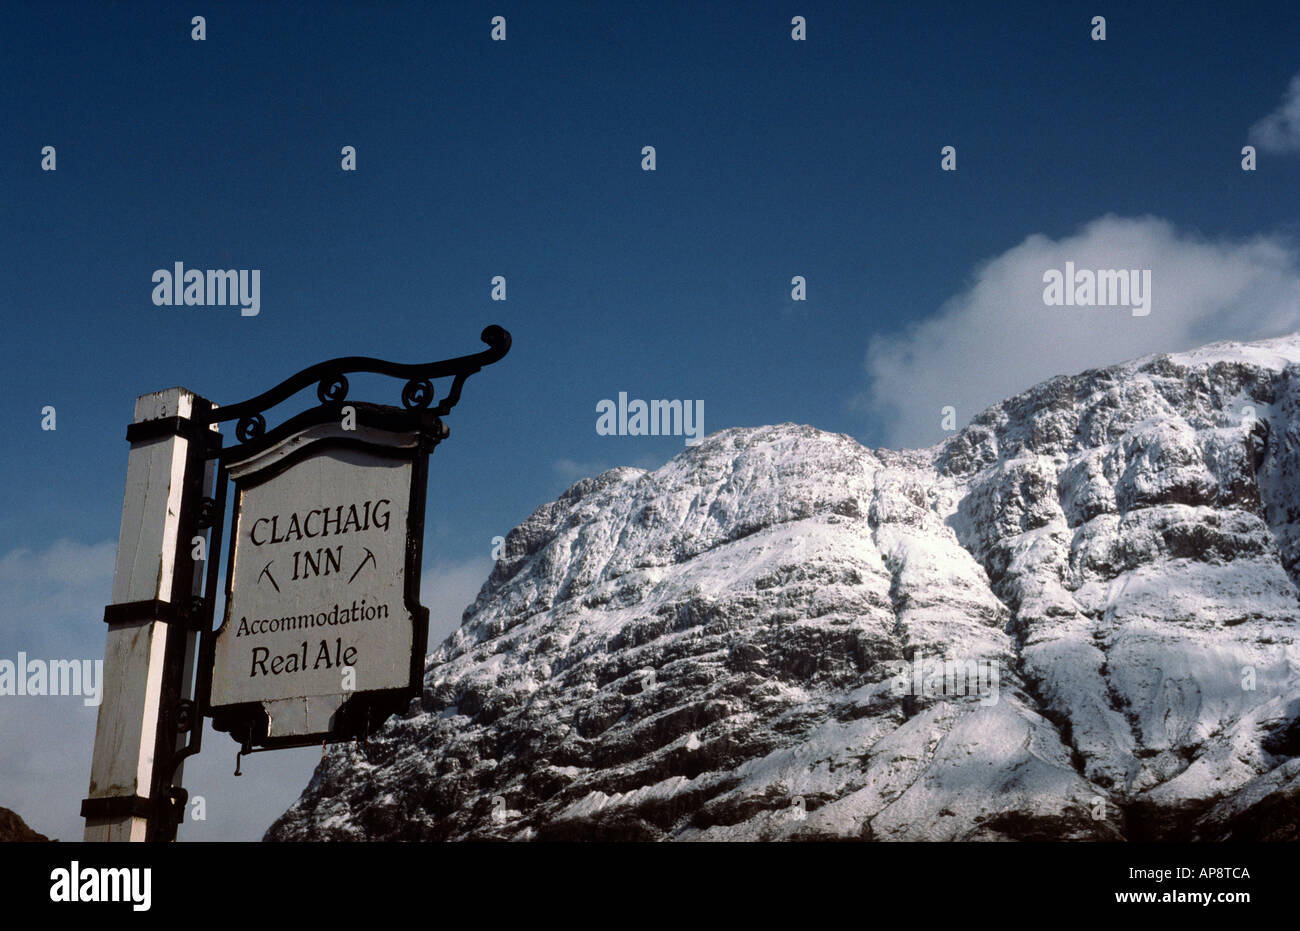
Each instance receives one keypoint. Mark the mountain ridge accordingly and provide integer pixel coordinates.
(711, 650)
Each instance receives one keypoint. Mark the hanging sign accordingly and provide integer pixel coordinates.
(322, 592)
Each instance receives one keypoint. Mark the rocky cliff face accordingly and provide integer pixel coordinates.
(13, 829)
(1074, 620)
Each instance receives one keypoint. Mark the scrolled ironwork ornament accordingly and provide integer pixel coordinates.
(330, 379)
(417, 395)
(250, 427)
(332, 390)
(207, 513)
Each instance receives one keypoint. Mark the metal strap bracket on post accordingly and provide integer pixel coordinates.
(185, 427)
(115, 806)
(133, 612)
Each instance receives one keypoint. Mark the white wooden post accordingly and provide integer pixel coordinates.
(129, 746)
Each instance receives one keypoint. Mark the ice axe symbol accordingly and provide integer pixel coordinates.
(370, 557)
(266, 571)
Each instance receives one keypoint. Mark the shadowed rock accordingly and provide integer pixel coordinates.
(14, 830)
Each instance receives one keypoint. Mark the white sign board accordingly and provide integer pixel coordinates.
(316, 608)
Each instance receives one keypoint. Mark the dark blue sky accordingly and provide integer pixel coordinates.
(522, 158)
(775, 158)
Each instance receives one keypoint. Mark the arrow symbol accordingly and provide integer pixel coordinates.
(370, 557)
(267, 572)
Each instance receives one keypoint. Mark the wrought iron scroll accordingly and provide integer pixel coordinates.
(331, 383)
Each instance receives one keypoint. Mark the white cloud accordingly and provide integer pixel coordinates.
(572, 471)
(51, 607)
(1280, 130)
(446, 589)
(997, 338)
(241, 808)
(68, 582)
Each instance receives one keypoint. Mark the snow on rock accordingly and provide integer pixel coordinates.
(741, 645)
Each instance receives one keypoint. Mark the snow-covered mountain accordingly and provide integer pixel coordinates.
(742, 644)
